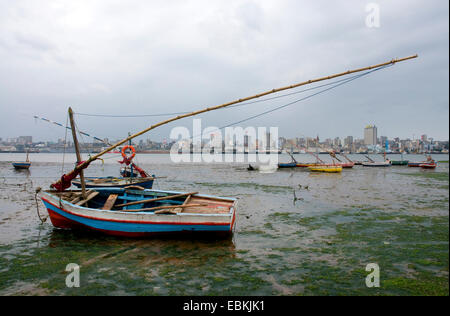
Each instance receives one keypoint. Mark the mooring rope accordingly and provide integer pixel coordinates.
(38, 189)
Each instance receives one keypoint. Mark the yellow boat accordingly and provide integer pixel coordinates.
(331, 169)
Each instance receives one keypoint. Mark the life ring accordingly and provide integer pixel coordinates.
(124, 155)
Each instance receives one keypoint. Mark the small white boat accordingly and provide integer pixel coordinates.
(386, 163)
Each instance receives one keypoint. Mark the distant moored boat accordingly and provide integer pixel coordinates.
(429, 161)
(399, 162)
(326, 168)
(22, 165)
(428, 165)
(377, 164)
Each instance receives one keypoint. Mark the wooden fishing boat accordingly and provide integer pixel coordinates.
(138, 213)
(292, 164)
(419, 164)
(287, 165)
(326, 168)
(129, 172)
(346, 165)
(306, 165)
(21, 165)
(399, 162)
(377, 164)
(349, 164)
(353, 163)
(428, 165)
(108, 182)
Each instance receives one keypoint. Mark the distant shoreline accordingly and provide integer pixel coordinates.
(223, 153)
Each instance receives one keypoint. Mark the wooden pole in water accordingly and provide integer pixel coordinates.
(77, 151)
(391, 62)
(345, 156)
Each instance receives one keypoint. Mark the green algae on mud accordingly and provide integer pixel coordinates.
(433, 175)
(388, 243)
(263, 187)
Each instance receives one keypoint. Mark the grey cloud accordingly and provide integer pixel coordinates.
(136, 57)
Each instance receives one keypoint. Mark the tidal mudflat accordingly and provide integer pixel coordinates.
(316, 242)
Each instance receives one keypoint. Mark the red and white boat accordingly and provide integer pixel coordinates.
(428, 165)
(346, 164)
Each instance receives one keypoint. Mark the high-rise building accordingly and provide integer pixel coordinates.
(337, 142)
(370, 135)
(348, 141)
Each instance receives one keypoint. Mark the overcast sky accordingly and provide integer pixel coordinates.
(151, 57)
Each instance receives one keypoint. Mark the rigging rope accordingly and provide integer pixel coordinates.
(232, 106)
(67, 127)
(65, 144)
(336, 84)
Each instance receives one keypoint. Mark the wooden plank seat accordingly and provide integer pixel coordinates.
(89, 197)
(112, 198)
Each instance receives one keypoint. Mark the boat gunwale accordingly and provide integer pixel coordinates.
(130, 212)
(113, 183)
(230, 223)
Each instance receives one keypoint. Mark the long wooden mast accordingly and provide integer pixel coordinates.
(77, 151)
(391, 62)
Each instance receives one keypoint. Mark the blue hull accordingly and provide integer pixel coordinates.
(21, 165)
(287, 165)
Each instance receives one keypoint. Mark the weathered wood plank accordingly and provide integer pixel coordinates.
(164, 207)
(177, 210)
(90, 197)
(136, 187)
(112, 198)
(168, 197)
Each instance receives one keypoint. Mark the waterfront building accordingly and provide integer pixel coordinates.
(370, 135)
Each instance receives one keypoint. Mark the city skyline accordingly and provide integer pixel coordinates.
(161, 138)
(369, 142)
(29, 139)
